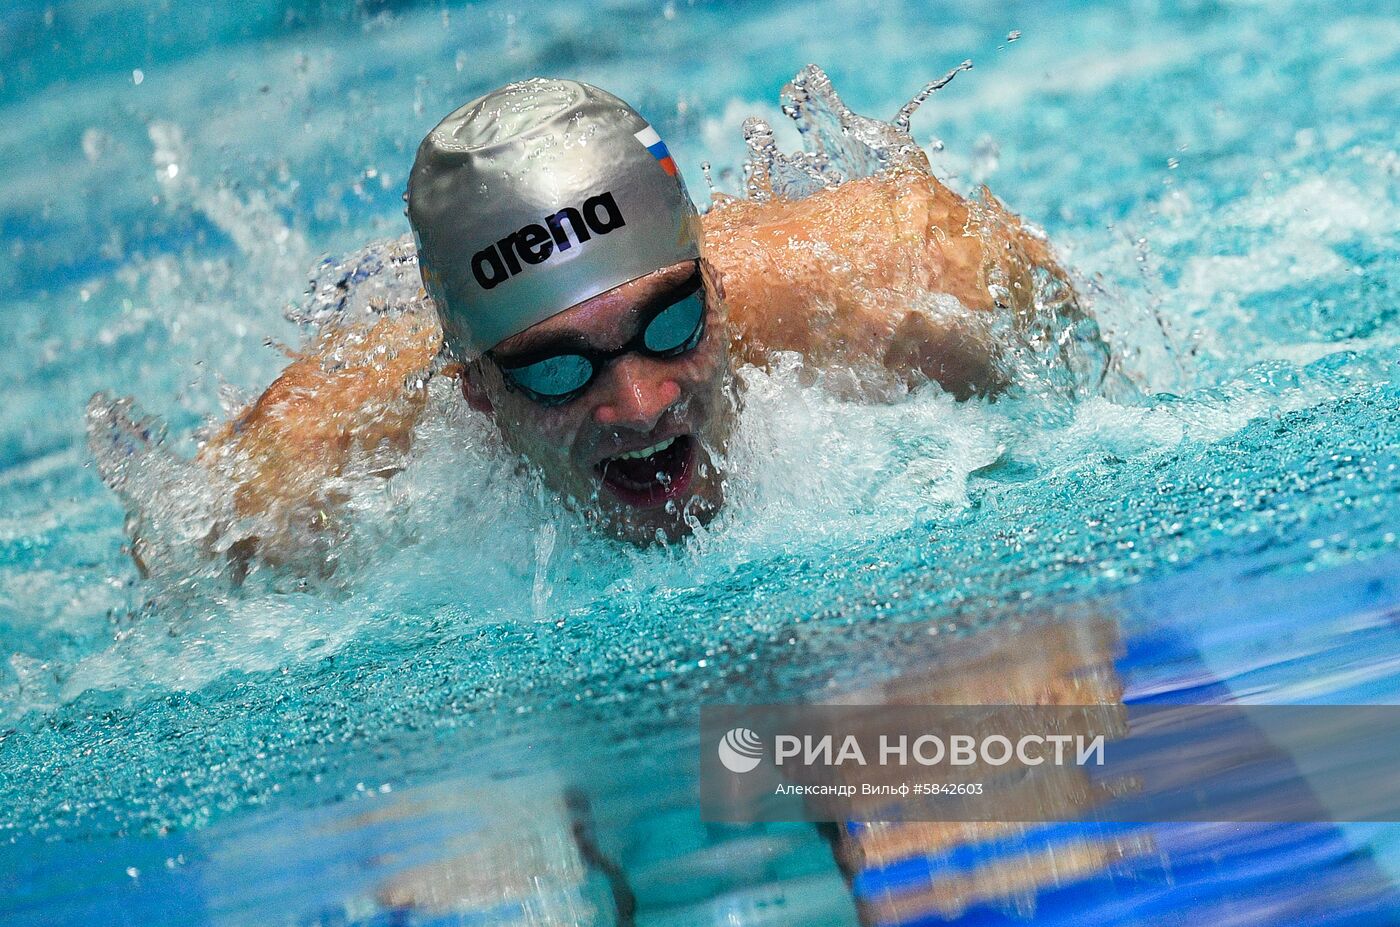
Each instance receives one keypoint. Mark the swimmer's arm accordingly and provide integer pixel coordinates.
(354, 395)
(894, 272)
(1050, 663)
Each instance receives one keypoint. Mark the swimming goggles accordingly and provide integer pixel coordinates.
(670, 331)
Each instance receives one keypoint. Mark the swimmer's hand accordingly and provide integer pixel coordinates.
(1029, 662)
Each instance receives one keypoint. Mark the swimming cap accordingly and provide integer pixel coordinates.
(536, 197)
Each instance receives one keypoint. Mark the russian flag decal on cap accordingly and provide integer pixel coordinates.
(657, 147)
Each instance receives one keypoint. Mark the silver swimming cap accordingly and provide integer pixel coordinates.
(536, 197)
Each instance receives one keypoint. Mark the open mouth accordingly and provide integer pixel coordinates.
(653, 475)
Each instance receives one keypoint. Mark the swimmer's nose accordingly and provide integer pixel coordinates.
(637, 394)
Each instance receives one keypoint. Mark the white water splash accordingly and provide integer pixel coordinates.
(457, 533)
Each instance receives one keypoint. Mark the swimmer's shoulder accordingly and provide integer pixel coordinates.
(361, 388)
(343, 371)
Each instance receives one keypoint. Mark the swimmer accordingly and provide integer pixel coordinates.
(588, 310)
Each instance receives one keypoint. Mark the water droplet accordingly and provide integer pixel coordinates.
(709, 179)
(758, 136)
(906, 112)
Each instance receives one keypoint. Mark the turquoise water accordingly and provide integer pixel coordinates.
(1224, 177)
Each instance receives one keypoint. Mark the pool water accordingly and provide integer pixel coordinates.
(421, 737)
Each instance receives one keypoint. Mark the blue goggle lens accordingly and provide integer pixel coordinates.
(673, 331)
(555, 376)
(676, 328)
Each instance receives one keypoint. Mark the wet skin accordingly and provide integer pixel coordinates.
(839, 277)
(635, 403)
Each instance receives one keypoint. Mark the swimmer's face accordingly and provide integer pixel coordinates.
(636, 445)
